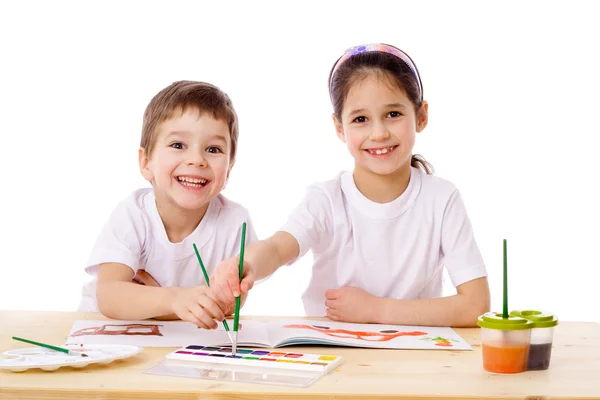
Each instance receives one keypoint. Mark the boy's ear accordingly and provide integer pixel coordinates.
(339, 128)
(423, 116)
(228, 172)
(144, 167)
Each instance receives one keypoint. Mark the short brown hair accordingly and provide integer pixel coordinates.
(181, 96)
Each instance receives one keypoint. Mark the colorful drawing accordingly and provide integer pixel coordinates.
(440, 341)
(120, 329)
(381, 336)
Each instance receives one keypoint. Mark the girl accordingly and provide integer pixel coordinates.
(380, 234)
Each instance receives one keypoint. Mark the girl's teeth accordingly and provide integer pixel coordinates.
(385, 150)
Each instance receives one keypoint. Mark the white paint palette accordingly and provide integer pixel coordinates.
(49, 360)
(248, 366)
(257, 358)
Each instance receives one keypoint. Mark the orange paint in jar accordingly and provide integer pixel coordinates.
(505, 359)
(505, 343)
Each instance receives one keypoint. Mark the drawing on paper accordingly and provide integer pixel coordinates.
(381, 336)
(120, 329)
(441, 341)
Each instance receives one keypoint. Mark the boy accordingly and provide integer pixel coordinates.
(143, 261)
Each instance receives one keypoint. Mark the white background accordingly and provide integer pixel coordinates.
(513, 92)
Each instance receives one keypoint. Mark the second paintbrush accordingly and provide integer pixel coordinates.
(236, 317)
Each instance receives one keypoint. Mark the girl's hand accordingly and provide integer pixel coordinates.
(198, 306)
(225, 281)
(350, 304)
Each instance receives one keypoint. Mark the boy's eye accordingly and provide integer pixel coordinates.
(394, 114)
(214, 149)
(177, 145)
(360, 119)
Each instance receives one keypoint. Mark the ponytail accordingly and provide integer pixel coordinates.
(417, 161)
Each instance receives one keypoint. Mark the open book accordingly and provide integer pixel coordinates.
(267, 334)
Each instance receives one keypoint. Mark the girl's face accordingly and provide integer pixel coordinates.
(379, 124)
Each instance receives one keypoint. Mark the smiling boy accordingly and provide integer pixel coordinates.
(143, 262)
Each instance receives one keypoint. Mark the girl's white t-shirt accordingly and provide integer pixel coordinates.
(134, 235)
(394, 250)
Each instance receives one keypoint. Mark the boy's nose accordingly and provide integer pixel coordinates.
(197, 158)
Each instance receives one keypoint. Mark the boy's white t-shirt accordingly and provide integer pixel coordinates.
(394, 250)
(135, 236)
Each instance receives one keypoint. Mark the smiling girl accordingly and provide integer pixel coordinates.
(381, 234)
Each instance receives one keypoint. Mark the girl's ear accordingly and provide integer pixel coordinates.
(423, 116)
(339, 128)
(144, 162)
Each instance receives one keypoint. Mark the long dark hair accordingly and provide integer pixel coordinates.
(358, 66)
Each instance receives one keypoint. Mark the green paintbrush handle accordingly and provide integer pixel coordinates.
(48, 346)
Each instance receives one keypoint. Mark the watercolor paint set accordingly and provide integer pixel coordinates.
(248, 365)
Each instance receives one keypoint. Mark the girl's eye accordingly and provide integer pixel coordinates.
(177, 145)
(394, 114)
(214, 149)
(360, 119)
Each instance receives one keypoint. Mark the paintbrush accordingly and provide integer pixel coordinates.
(236, 317)
(49, 346)
(207, 279)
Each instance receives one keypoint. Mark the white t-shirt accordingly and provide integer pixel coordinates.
(135, 236)
(394, 250)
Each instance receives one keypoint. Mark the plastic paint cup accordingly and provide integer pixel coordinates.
(504, 342)
(542, 336)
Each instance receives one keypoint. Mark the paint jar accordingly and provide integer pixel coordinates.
(542, 336)
(504, 342)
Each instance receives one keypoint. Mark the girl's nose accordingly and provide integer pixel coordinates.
(380, 132)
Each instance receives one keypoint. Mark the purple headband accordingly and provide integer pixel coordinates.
(384, 48)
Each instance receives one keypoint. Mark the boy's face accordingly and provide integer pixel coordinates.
(190, 161)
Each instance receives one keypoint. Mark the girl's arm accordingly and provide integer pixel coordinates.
(261, 259)
(460, 310)
(266, 256)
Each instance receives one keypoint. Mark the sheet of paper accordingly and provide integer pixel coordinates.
(369, 335)
(160, 333)
(143, 333)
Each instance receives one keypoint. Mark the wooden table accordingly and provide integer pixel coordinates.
(366, 374)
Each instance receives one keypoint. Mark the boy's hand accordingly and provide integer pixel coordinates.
(198, 306)
(225, 281)
(143, 278)
(350, 304)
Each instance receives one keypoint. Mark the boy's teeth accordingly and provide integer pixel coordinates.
(191, 181)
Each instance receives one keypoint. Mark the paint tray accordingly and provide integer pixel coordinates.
(249, 366)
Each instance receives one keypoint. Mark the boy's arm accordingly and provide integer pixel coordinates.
(119, 298)
(460, 310)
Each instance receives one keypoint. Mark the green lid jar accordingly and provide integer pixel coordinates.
(542, 336)
(492, 320)
(502, 336)
(539, 318)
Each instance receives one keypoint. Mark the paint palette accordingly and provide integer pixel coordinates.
(248, 366)
(49, 360)
(257, 358)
